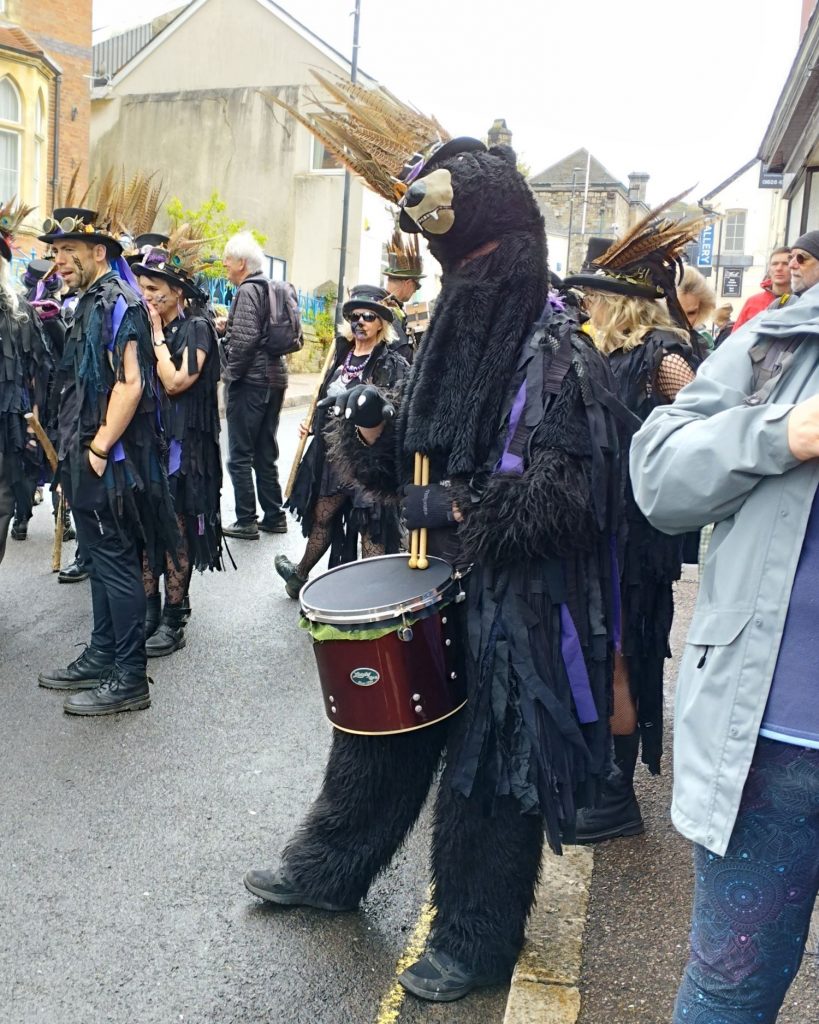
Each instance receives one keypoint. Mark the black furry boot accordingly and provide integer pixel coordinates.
(617, 813)
(485, 867)
(374, 789)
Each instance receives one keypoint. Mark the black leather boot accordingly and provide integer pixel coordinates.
(170, 636)
(185, 607)
(617, 813)
(84, 673)
(19, 529)
(292, 581)
(76, 572)
(69, 533)
(153, 614)
(118, 691)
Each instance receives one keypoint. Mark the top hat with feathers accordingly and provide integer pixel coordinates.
(178, 261)
(404, 257)
(12, 214)
(646, 262)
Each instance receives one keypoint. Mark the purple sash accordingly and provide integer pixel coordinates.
(576, 668)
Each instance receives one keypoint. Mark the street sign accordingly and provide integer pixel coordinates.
(705, 256)
(732, 282)
(770, 179)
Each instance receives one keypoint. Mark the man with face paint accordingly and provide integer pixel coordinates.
(109, 464)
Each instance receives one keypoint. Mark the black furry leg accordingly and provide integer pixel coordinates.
(485, 867)
(374, 789)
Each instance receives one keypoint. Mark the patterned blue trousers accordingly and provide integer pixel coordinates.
(752, 907)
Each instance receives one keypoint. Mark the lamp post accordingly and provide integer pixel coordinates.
(345, 206)
(575, 172)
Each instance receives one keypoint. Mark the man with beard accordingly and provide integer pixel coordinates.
(109, 458)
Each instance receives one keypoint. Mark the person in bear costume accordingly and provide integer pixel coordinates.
(508, 399)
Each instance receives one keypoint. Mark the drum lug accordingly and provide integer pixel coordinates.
(405, 634)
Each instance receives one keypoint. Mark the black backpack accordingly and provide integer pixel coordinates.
(284, 330)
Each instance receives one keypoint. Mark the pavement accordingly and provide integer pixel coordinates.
(123, 840)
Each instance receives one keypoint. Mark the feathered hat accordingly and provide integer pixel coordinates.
(120, 209)
(373, 134)
(404, 257)
(647, 261)
(177, 262)
(11, 217)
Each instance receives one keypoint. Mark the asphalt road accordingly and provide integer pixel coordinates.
(123, 840)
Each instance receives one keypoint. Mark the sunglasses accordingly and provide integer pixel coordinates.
(369, 318)
(802, 258)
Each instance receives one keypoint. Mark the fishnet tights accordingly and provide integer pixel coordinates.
(321, 535)
(177, 577)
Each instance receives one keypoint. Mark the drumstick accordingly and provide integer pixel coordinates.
(51, 455)
(423, 561)
(414, 536)
(311, 412)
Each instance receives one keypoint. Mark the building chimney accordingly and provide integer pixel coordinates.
(637, 182)
(499, 134)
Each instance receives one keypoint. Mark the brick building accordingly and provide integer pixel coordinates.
(45, 102)
(573, 214)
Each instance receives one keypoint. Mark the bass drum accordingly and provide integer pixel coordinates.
(385, 639)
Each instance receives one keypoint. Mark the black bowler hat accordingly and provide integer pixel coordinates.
(143, 244)
(367, 296)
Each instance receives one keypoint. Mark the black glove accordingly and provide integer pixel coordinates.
(362, 405)
(429, 506)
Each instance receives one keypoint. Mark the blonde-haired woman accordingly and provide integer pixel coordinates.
(698, 301)
(333, 515)
(651, 360)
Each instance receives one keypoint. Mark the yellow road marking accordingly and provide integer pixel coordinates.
(390, 1008)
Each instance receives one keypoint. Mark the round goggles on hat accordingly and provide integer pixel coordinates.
(66, 225)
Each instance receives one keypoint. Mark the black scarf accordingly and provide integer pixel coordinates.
(462, 371)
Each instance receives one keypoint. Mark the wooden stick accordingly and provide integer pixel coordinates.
(311, 412)
(57, 549)
(423, 561)
(415, 534)
(51, 455)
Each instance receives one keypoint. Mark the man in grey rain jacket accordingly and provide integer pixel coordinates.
(740, 448)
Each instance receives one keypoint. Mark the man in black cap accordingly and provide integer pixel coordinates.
(804, 262)
(110, 467)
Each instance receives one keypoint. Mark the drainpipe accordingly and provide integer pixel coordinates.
(55, 174)
(345, 205)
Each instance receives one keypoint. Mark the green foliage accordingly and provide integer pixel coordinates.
(211, 221)
(324, 326)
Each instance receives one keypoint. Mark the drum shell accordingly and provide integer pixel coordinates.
(419, 680)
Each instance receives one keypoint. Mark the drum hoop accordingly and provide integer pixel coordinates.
(359, 616)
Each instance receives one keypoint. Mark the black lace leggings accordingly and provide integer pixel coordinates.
(325, 511)
(177, 577)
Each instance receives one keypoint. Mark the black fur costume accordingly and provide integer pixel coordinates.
(517, 759)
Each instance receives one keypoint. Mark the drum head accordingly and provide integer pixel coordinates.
(375, 590)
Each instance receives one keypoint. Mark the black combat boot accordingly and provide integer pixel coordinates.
(185, 607)
(617, 813)
(84, 673)
(19, 529)
(170, 636)
(76, 572)
(118, 691)
(69, 533)
(153, 614)
(292, 581)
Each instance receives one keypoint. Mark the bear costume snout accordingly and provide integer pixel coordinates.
(428, 204)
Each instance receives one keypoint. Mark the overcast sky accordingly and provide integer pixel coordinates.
(681, 91)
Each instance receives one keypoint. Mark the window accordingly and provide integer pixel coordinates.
(11, 114)
(276, 268)
(9, 102)
(734, 237)
(39, 149)
(321, 160)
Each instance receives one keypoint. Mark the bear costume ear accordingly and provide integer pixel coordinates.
(505, 153)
